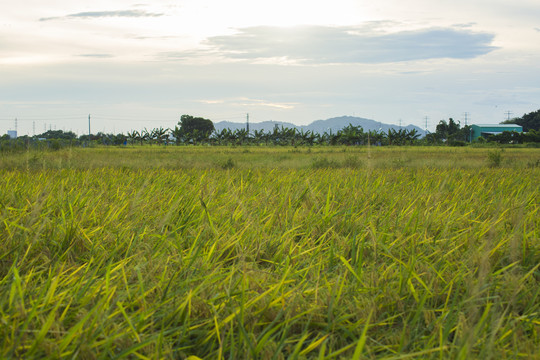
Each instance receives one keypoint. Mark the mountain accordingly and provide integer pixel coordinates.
(319, 126)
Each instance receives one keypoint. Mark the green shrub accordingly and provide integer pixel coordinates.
(229, 164)
(457, 143)
(324, 163)
(494, 158)
(55, 145)
(352, 162)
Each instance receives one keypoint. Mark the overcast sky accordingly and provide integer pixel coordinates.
(135, 65)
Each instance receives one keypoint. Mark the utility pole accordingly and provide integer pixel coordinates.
(426, 118)
(34, 128)
(466, 115)
(508, 114)
(247, 123)
(400, 123)
(89, 126)
(15, 124)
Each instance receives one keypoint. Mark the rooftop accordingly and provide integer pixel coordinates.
(496, 125)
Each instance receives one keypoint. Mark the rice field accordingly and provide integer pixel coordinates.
(270, 253)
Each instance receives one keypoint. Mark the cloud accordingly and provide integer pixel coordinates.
(96, 56)
(537, 29)
(243, 102)
(210, 102)
(465, 25)
(105, 14)
(248, 102)
(326, 45)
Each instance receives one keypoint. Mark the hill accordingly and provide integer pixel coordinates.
(319, 126)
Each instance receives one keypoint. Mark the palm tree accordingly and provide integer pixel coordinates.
(228, 136)
(351, 135)
(258, 136)
(329, 138)
(160, 135)
(412, 135)
(289, 135)
(133, 135)
(220, 136)
(242, 136)
(392, 136)
(376, 136)
(145, 136)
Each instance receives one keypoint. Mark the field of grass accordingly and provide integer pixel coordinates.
(270, 253)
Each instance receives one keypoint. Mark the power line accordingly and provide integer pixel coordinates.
(31, 118)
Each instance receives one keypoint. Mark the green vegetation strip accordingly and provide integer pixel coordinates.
(376, 260)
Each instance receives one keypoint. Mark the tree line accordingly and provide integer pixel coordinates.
(192, 130)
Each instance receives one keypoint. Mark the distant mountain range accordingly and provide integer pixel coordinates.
(319, 126)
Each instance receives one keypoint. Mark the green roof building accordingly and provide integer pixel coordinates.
(487, 130)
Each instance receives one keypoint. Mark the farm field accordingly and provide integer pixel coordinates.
(270, 253)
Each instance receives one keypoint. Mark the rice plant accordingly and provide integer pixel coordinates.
(183, 259)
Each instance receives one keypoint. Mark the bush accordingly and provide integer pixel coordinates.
(323, 163)
(229, 164)
(55, 145)
(457, 143)
(494, 158)
(534, 164)
(352, 162)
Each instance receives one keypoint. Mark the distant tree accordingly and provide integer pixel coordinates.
(351, 135)
(160, 135)
(258, 136)
(289, 136)
(133, 136)
(119, 139)
(401, 136)
(145, 136)
(530, 121)
(241, 136)
(433, 139)
(58, 134)
(447, 130)
(225, 136)
(193, 129)
(507, 137)
(330, 138)
(376, 137)
(306, 137)
(531, 136)
(411, 136)
(451, 132)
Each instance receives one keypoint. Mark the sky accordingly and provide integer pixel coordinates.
(134, 65)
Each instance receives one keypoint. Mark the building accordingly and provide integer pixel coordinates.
(487, 130)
